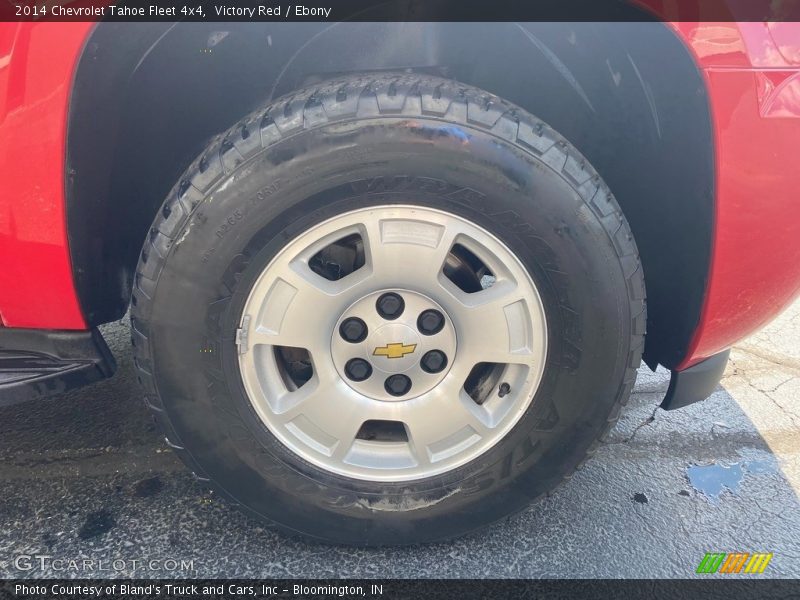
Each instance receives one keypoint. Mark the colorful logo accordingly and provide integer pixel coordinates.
(734, 562)
(396, 350)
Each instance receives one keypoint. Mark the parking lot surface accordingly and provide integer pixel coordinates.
(86, 475)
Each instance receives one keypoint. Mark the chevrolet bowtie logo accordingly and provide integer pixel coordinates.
(394, 350)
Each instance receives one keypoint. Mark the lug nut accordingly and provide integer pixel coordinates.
(358, 369)
(430, 322)
(390, 306)
(433, 361)
(353, 330)
(397, 385)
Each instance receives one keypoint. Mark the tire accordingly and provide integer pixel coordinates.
(374, 142)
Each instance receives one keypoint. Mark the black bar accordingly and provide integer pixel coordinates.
(731, 589)
(399, 10)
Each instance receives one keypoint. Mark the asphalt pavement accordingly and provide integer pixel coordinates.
(88, 488)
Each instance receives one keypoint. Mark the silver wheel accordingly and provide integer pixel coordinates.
(416, 357)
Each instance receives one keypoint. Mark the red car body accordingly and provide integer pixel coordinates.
(751, 72)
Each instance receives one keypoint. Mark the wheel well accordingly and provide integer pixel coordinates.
(147, 97)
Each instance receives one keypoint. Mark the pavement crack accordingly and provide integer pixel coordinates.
(793, 416)
(781, 360)
(641, 425)
(780, 385)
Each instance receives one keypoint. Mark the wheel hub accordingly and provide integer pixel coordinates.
(395, 343)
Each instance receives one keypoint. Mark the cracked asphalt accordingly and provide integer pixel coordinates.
(87, 476)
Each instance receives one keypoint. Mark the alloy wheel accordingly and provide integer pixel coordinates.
(392, 343)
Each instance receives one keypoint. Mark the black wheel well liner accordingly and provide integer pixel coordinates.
(147, 97)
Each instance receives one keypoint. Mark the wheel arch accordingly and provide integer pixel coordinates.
(147, 97)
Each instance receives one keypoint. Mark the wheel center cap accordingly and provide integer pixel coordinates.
(406, 350)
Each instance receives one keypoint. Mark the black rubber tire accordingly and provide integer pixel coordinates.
(364, 140)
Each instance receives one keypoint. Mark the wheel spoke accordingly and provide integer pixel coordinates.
(319, 417)
(404, 252)
(298, 311)
(450, 423)
(494, 325)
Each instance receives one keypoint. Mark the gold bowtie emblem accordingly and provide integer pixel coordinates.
(395, 350)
